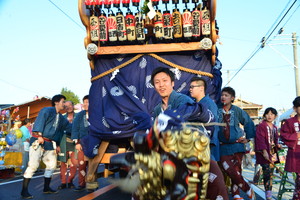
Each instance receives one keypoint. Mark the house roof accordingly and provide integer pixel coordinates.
(2, 106)
(246, 104)
(29, 109)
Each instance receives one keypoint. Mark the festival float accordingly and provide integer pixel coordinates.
(9, 138)
(125, 41)
(11, 147)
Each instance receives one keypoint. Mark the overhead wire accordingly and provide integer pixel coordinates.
(67, 17)
(264, 40)
(269, 34)
(291, 16)
(80, 26)
(260, 68)
(16, 86)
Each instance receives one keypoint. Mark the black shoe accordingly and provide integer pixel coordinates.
(79, 188)
(50, 191)
(62, 186)
(26, 195)
(71, 185)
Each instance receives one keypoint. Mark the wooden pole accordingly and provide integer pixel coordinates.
(28, 111)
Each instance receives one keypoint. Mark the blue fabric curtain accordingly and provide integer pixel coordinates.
(122, 102)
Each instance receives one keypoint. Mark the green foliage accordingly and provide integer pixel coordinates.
(71, 96)
(145, 8)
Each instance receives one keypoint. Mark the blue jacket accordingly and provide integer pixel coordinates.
(212, 106)
(52, 125)
(237, 117)
(186, 108)
(175, 100)
(80, 125)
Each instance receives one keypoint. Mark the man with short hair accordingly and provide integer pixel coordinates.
(232, 142)
(48, 129)
(163, 81)
(79, 130)
(197, 91)
(67, 151)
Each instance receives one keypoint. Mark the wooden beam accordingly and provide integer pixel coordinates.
(149, 48)
(98, 192)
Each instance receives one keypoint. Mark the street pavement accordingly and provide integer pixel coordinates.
(248, 174)
(10, 189)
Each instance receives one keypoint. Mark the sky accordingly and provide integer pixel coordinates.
(42, 50)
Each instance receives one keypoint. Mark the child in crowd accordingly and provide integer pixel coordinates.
(290, 134)
(266, 145)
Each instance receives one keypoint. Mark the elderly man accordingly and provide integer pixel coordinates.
(67, 147)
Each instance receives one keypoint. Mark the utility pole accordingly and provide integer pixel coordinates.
(228, 77)
(296, 67)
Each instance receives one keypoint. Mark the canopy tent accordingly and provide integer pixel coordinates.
(287, 114)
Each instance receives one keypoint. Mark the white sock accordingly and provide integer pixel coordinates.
(249, 192)
(236, 196)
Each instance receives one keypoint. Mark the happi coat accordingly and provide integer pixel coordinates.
(52, 126)
(214, 140)
(265, 136)
(288, 133)
(237, 117)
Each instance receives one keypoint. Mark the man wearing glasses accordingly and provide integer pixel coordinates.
(163, 81)
(197, 91)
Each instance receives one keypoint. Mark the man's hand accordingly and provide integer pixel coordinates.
(78, 147)
(266, 155)
(242, 140)
(58, 149)
(41, 140)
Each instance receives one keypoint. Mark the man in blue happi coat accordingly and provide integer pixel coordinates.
(46, 134)
(163, 81)
(232, 142)
(80, 129)
(197, 91)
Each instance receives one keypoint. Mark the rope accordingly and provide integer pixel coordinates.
(156, 57)
(117, 67)
(204, 124)
(180, 67)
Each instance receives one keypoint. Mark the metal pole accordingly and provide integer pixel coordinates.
(294, 39)
(228, 77)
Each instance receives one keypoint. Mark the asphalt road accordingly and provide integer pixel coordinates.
(10, 190)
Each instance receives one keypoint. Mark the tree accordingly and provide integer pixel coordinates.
(70, 96)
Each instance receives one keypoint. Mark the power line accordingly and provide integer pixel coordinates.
(8, 83)
(291, 16)
(259, 68)
(263, 41)
(66, 15)
(243, 40)
(250, 57)
(276, 21)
